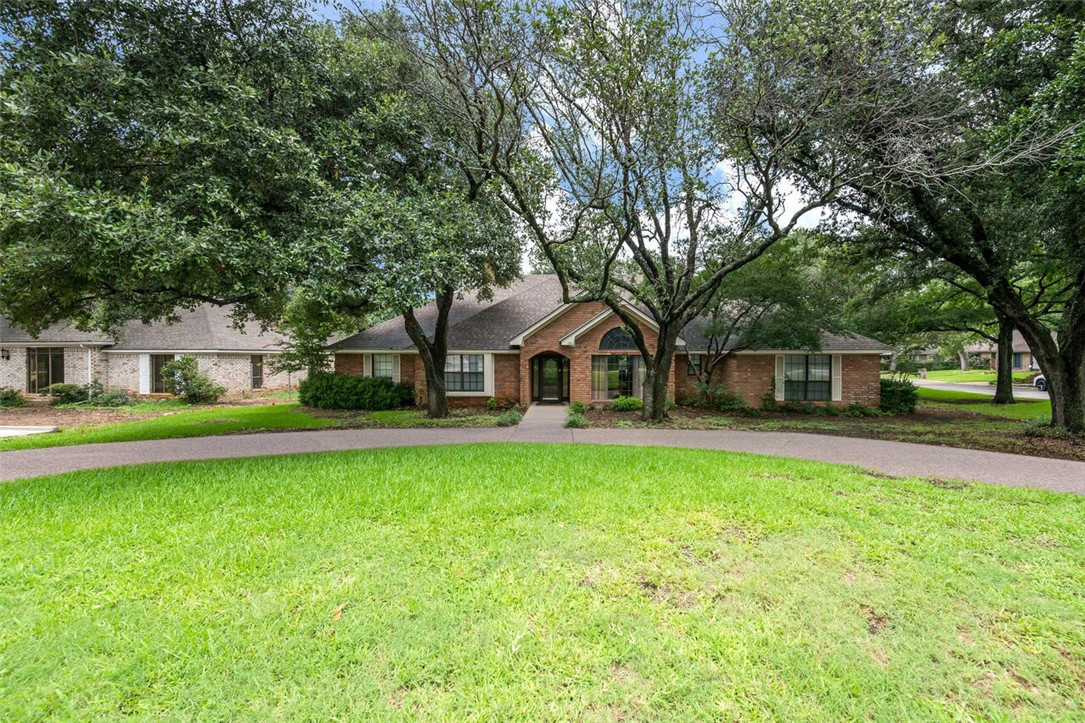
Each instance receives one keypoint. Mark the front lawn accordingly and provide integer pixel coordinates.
(185, 422)
(974, 375)
(169, 420)
(521, 582)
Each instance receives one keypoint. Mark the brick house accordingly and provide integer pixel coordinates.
(235, 358)
(526, 346)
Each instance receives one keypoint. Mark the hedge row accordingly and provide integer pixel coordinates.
(339, 391)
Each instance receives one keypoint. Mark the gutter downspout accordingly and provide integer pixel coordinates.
(90, 370)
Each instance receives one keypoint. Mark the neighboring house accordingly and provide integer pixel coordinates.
(238, 359)
(926, 356)
(525, 346)
(1023, 360)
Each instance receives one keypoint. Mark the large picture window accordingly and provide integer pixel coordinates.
(382, 365)
(464, 373)
(616, 375)
(44, 366)
(807, 378)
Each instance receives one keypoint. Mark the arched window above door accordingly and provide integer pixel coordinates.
(617, 338)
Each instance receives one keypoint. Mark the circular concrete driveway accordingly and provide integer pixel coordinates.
(893, 458)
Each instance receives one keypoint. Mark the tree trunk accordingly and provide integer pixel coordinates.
(433, 353)
(657, 374)
(1004, 377)
(1063, 364)
(962, 357)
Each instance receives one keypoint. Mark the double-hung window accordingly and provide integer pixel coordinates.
(257, 363)
(807, 377)
(693, 366)
(464, 373)
(382, 365)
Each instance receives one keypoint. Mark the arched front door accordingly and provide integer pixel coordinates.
(550, 378)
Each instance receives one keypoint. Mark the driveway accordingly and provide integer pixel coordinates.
(1020, 391)
(892, 458)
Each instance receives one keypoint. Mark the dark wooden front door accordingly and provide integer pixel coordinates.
(551, 374)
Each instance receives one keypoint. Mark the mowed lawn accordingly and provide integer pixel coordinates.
(184, 422)
(521, 582)
(1023, 409)
(973, 375)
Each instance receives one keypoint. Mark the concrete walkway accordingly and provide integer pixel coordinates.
(893, 458)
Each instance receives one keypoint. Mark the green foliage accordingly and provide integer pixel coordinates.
(11, 398)
(899, 396)
(576, 421)
(1041, 427)
(860, 410)
(627, 404)
(182, 378)
(341, 391)
(67, 393)
(110, 398)
(491, 404)
(717, 396)
(509, 419)
(579, 408)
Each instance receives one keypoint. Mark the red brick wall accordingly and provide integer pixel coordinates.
(349, 364)
(683, 382)
(860, 381)
(747, 375)
(587, 345)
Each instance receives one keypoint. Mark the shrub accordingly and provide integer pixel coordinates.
(859, 410)
(66, 393)
(182, 377)
(717, 397)
(109, 398)
(578, 408)
(899, 396)
(509, 419)
(577, 421)
(1042, 427)
(340, 391)
(826, 410)
(769, 403)
(491, 404)
(11, 398)
(627, 404)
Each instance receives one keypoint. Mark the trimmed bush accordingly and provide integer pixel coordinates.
(859, 410)
(576, 421)
(899, 396)
(182, 377)
(491, 404)
(109, 398)
(66, 393)
(340, 391)
(11, 398)
(578, 408)
(627, 404)
(509, 419)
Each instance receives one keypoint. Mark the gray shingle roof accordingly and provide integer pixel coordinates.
(490, 325)
(473, 325)
(206, 328)
(58, 334)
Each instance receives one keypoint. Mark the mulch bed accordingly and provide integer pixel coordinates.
(937, 426)
(44, 416)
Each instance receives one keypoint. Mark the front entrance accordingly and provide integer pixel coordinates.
(550, 378)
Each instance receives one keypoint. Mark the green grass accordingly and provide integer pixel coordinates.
(519, 582)
(186, 422)
(980, 404)
(418, 418)
(973, 375)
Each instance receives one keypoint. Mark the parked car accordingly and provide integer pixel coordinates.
(1040, 382)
